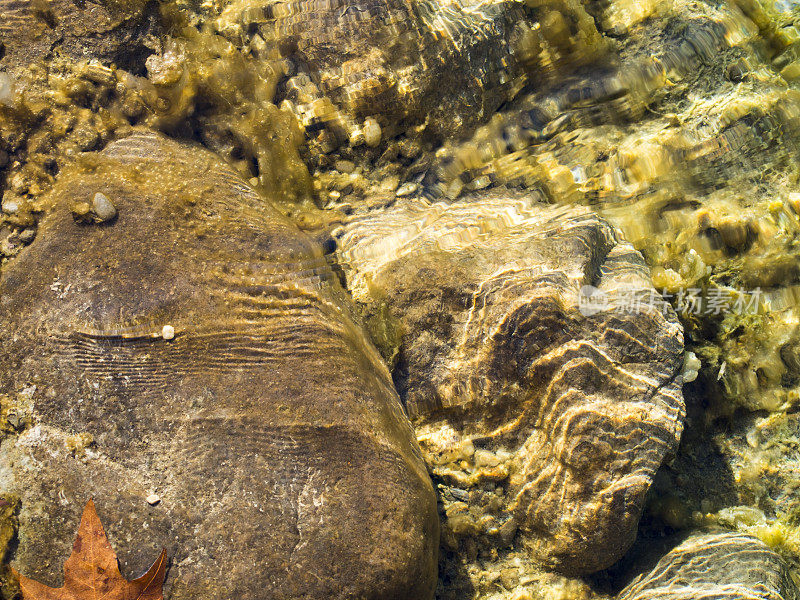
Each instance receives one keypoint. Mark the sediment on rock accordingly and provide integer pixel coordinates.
(110, 31)
(185, 348)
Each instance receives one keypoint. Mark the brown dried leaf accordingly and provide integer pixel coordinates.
(92, 571)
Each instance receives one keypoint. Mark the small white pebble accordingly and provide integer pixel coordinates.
(6, 89)
(103, 208)
(168, 332)
(372, 132)
(153, 499)
(691, 367)
(10, 207)
(406, 189)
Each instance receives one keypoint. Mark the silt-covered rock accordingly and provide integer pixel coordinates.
(32, 30)
(197, 347)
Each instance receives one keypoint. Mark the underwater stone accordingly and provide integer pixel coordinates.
(9, 505)
(445, 66)
(103, 209)
(6, 92)
(514, 384)
(697, 169)
(372, 133)
(32, 30)
(275, 478)
(26, 235)
(716, 565)
(10, 206)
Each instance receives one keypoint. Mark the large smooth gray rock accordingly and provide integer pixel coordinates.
(199, 347)
(545, 416)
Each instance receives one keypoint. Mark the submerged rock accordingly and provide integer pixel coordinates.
(540, 368)
(198, 348)
(8, 531)
(32, 30)
(716, 565)
(102, 207)
(442, 66)
(687, 140)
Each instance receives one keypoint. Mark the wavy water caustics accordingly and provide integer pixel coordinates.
(688, 142)
(508, 383)
(715, 565)
(516, 194)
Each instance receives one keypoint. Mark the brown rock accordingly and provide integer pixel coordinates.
(31, 30)
(443, 66)
(538, 412)
(266, 422)
(716, 565)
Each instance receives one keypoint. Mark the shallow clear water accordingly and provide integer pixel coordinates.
(378, 127)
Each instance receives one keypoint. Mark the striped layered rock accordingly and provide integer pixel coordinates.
(198, 347)
(691, 165)
(540, 369)
(716, 565)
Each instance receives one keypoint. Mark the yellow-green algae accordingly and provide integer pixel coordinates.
(688, 142)
(197, 84)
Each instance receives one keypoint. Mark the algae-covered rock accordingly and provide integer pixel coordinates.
(715, 565)
(59, 90)
(751, 482)
(198, 347)
(440, 66)
(198, 85)
(9, 505)
(32, 30)
(540, 369)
